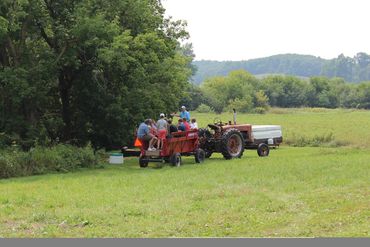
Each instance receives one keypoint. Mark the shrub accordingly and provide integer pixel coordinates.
(46, 159)
(41, 160)
(243, 105)
(261, 100)
(260, 110)
(203, 108)
(8, 166)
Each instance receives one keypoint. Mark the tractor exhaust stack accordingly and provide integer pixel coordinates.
(234, 116)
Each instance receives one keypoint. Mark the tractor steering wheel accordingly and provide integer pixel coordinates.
(216, 121)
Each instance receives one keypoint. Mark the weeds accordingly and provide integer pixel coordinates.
(326, 140)
(41, 160)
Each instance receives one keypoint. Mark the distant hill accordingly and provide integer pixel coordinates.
(354, 69)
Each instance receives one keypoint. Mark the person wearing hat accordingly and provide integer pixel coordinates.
(183, 114)
(162, 126)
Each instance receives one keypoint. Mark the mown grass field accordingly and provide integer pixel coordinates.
(295, 192)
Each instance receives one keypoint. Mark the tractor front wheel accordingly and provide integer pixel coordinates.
(232, 144)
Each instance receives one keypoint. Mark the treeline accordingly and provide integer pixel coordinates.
(246, 93)
(87, 71)
(351, 69)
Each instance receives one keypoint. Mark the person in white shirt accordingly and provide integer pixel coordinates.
(193, 124)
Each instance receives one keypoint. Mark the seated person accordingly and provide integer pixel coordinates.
(153, 128)
(144, 135)
(193, 124)
(181, 126)
(186, 124)
(171, 127)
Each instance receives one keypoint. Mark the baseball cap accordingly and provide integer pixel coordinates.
(161, 115)
(183, 107)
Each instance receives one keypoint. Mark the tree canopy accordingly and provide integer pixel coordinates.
(247, 93)
(87, 70)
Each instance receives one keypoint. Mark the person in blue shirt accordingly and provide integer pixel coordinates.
(181, 126)
(183, 114)
(144, 135)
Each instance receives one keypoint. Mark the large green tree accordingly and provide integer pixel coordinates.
(237, 90)
(87, 70)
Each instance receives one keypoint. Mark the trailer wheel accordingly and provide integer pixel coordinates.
(143, 162)
(232, 144)
(200, 155)
(176, 159)
(263, 150)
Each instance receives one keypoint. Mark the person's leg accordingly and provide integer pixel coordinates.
(163, 141)
(155, 141)
(159, 143)
(149, 140)
(160, 138)
(163, 137)
(151, 143)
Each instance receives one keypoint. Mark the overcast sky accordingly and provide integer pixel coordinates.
(245, 29)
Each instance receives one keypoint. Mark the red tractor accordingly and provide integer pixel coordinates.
(230, 139)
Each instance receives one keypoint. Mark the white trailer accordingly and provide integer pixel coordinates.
(264, 137)
(272, 135)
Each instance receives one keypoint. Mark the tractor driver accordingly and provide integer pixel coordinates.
(144, 135)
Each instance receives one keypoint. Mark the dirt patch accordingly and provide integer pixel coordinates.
(11, 226)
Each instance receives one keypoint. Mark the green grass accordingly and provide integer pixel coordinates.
(295, 192)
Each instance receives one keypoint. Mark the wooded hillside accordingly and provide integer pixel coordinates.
(356, 69)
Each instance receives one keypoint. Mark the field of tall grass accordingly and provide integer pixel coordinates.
(295, 192)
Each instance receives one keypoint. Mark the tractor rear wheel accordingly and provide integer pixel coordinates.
(263, 150)
(175, 159)
(200, 155)
(232, 144)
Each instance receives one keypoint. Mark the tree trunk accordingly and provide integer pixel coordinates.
(13, 51)
(64, 91)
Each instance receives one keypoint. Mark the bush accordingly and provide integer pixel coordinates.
(8, 166)
(203, 108)
(41, 160)
(260, 110)
(243, 105)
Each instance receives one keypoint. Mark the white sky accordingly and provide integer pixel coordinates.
(245, 29)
